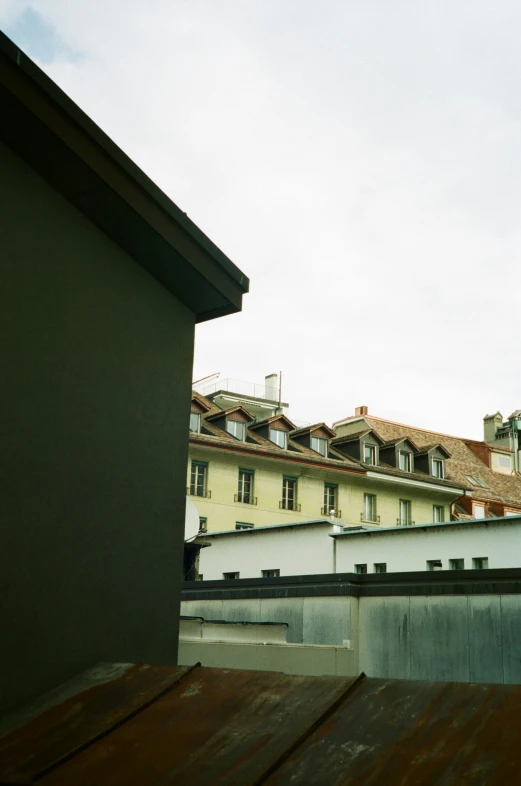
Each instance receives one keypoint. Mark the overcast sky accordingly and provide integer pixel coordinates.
(359, 160)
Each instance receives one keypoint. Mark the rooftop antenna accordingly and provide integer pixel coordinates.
(210, 376)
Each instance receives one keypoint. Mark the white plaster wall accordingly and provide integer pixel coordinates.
(294, 551)
(309, 549)
(409, 550)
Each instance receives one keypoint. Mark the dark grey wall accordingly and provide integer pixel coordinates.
(97, 358)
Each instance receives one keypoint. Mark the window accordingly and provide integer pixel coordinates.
(245, 488)
(438, 468)
(198, 476)
(272, 573)
(243, 525)
(478, 511)
(195, 422)
(380, 567)
(501, 461)
(361, 568)
(230, 576)
(457, 564)
(369, 454)
(279, 437)
(480, 563)
(203, 524)
(330, 498)
(511, 513)
(438, 513)
(405, 460)
(369, 513)
(476, 481)
(289, 494)
(319, 445)
(404, 519)
(236, 429)
(434, 564)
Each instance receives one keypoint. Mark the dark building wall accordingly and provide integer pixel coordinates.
(97, 358)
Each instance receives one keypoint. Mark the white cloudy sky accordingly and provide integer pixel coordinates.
(360, 160)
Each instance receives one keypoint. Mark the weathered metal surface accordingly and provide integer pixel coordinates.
(167, 725)
(398, 732)
(108, 695)
(217, 726)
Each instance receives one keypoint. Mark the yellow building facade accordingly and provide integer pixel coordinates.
(256, 472)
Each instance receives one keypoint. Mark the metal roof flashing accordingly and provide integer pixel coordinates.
(432, 525)
(42, 125)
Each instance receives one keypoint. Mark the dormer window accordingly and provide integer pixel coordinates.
(405, 460)
(195, 422)
(279, 437)
(236, 429)
(319, 445)
(438, 468)
(369, 454)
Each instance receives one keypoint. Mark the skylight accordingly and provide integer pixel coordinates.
(476, 481)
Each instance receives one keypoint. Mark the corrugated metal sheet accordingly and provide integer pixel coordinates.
(168, 725)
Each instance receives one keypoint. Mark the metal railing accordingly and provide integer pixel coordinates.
(242, 388)
(404, 523)
(195, 492)
(374, 520)
(284, 504)
(245, 499)
(327, 512)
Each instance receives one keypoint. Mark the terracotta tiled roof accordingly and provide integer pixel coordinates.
(214, 436)
(463, 461)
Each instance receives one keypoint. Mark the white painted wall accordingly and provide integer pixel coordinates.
(409, 549)
(294, 550)
(308, 549)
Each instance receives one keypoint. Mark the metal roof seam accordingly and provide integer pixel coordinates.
(106, 732)
(310, 729)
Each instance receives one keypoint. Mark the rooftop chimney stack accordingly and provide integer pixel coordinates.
(361, 411)
(272, 387)
(491, 423)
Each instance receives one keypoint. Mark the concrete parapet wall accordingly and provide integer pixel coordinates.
(307, 660)
(461, 626)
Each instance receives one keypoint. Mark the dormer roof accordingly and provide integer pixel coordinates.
(225, 413)
(201, 401)
(393, 442)
(429, 448)
(299, 432)
(272, 421)
(357, 436)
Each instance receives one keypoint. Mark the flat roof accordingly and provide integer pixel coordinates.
(42, 125)
(437, 525)
(269, 527)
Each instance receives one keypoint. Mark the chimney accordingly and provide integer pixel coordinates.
(491, 423)
(272, 387)
(361, 411)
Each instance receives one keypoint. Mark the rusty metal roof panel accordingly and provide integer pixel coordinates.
(71, 718)
(398, 732)
(203, 726)
(216, 726)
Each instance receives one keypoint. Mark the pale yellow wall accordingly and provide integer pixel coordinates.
(222, 512)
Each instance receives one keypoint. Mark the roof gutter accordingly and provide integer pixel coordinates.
(458, 492)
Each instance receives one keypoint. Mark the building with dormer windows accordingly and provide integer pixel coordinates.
(251, 466)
